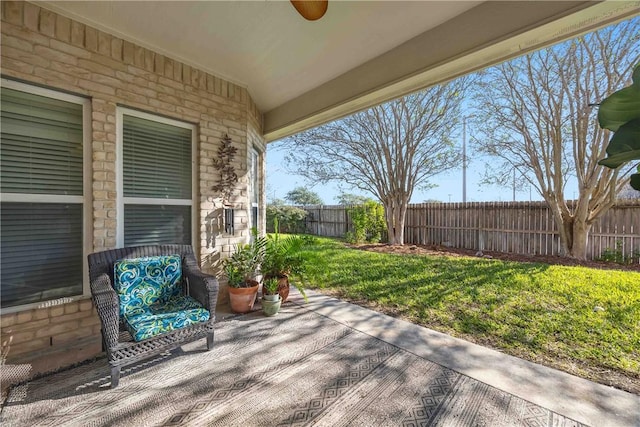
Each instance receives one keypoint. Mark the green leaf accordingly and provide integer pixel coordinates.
(635, 180)
(621, 106)
(624, 146)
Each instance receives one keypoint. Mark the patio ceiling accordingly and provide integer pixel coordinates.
(302, 74)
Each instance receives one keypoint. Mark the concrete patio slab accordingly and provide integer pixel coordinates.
(582, 400)
(324, 363)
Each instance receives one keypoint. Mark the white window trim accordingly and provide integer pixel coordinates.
(121, 200)
(156, 201)
(41, 198)
(258, 153)
(85, 199)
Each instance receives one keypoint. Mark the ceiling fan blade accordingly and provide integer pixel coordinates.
(311, 10)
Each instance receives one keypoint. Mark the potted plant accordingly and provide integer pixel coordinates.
(282, 259)
(271, 300)
(240, 269)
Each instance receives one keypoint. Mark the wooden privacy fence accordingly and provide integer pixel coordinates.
(517, 227)
(328, 220)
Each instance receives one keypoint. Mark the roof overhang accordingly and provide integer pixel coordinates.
(488, 34)
(361, 53)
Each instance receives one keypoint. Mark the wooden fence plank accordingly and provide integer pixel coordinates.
(520, 227)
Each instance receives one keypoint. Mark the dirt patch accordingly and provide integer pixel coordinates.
(453, 252)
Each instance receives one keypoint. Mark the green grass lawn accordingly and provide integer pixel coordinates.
(535, 311)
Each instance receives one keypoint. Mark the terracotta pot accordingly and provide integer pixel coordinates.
(242, 299)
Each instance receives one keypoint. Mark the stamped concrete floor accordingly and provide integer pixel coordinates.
(326, 363)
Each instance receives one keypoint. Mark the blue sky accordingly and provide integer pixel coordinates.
(449, 186)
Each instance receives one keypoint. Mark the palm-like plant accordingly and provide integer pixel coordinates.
(282, 258)
(241, 267)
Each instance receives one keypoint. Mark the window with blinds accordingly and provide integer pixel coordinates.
(41, 185)
(254, 188)
(157, 177)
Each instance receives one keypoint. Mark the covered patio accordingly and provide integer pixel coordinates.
(248, 73)
(326, 363)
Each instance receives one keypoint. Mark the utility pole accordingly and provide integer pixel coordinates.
(514, 184)
(464, 157)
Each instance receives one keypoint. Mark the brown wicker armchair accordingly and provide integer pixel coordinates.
(120, 346)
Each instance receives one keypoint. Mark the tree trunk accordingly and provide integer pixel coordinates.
(574, 238)
(580, 232)
(395, 212)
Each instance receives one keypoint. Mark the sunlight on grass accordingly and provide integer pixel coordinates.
(537, 311)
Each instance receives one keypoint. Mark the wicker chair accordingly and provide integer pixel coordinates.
(120, 347)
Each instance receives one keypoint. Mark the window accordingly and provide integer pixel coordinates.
(254, 189)
(155, 180)
(43, 216)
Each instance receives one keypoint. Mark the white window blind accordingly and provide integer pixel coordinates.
(41, 181)
(41, 144)
(157, 178)
(156, 224)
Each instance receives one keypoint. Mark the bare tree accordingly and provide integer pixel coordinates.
(538, 117)
(629, 193)
(387, 151)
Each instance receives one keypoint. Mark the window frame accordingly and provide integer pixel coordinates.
(121, 200)
(85, 199)
(255, 152)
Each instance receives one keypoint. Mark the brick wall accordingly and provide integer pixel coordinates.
(46, 338)
(44, 48)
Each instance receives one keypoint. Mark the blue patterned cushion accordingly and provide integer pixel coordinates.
(165, 316)
(141, 282)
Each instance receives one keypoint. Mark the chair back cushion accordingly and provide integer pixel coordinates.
(142, 282)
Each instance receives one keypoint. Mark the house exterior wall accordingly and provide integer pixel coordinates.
(44, 48)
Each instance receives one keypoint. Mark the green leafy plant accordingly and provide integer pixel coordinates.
(618, 256)
(368, 223)
(290, 218)
(243, 264)
(282, 257)
(620, 113)
(270, 286)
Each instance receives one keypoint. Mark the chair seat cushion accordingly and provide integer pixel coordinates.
(141, 282)
(165, 316)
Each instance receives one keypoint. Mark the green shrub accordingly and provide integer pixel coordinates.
(368, 223)
(617, 255)
(290, 218)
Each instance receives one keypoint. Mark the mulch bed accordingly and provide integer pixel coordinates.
(448, 251)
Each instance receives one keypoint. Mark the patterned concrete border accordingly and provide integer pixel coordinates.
(582, 400)
(326, 363)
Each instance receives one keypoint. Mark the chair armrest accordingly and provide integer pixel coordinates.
(203, 287)
(108, 307)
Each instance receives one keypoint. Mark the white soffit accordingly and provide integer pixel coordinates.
(486, 35)
(361, 53)
(265, 46)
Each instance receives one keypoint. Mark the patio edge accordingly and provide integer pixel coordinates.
(573, 397)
